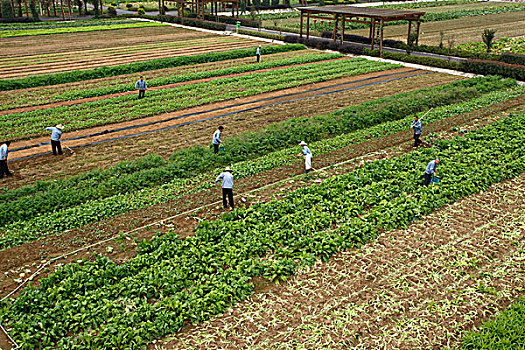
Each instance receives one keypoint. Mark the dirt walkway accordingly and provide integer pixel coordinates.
(418, 288)
(28, 256)
(209, 111)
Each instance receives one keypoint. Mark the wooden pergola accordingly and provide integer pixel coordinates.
(199, 6)
(376, 17)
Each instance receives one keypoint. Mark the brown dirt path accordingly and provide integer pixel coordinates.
(204, 111)
(419, 288)
(29, 256)
(169, 86)
(166, 142)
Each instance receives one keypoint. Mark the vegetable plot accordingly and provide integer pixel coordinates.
(172, 281)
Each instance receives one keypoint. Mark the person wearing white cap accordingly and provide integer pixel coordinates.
(307, 154)
(56, 133)
(227, 187)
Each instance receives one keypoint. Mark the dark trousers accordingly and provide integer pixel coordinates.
(227, 192)
(215, 148)
(417, 141)
(428, 179)
(3, 169)
(258, 58)
(56, 146)
(142, 93)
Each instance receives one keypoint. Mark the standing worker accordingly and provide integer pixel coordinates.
(307, 154)
(227, 187)
(4, 170)
(142, 86)
(217, 139)
(418, 129)
(431, 171)
(56, 134)
(258, 53)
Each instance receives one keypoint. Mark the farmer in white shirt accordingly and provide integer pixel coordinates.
(307, 154)
(217, 139)
(258, 53)
(142, 86)
(56, 133)
(227, 187)
(4, 151)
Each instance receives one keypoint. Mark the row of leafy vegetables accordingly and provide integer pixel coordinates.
(173, 281)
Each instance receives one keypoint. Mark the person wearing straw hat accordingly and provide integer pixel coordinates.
(4, 151)
(307, 154)
(431, 171)
(227, 187)
(56, 134)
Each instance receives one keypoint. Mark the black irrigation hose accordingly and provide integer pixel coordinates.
(225, 114)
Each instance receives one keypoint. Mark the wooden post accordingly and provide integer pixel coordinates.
(62, 9)
(343, 29)
(307, 25)
(69, 8)
(373, 36)
(27, 8)
(48, 10)
(381, 39)
(409, 30)
(336, 22)
(417, 32)
(371, 28)
(54, 8)
(301, 26)
(13, 7)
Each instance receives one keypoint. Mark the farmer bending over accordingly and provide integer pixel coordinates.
(307, 154)
(227, 187)
(431, 171)
(3, 159)
(56, 133)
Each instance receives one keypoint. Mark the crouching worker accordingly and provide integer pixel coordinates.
(431, 171)
(307, 154)
(227, 187)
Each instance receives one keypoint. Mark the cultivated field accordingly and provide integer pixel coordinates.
(125, 243)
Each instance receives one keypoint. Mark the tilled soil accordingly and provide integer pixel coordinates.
(166, 142)
(30, 255)
(418, 288)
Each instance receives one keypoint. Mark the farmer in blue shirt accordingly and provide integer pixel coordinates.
(431, 171)
(227, 187)
(142, 86)
(217, 139)
(56, 133)
(258, 53)
(4, 151)
(418, 129)
(307, 154)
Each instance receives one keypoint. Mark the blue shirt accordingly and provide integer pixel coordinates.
(418, 128)
(56, 133)
(217, 137)
(258, 51)
(3, 152)
(227, 179)
(306, 151)
(141, 85)
(431, 168)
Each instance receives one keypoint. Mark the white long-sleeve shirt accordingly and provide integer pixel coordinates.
(227, 179)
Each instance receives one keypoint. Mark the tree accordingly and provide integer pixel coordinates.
(451, 40)
(488, 38)
(441, 38)
(6, 9)
(34, 12)
(412, 38)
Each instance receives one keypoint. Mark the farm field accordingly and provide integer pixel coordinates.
(339, 256)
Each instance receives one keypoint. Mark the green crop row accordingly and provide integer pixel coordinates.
(514, 45)
(76, 29)
(125, 84)
(46, 195)
(54, 24)
(505, 332)
(130, 68)
(128, 107)
(172, 282)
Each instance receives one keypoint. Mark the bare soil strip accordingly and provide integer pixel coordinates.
(28, 256)
(166, 142)
(169, 86)
(82, 64)
(201, 112)
(418, 288)
(45, 44)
